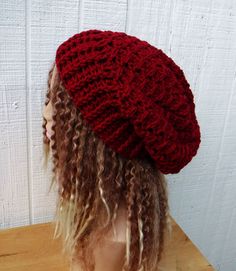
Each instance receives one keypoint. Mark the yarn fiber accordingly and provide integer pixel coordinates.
(133, 96)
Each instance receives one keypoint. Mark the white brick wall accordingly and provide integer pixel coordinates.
(200, 35)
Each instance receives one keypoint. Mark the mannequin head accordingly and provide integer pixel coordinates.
(93, 181)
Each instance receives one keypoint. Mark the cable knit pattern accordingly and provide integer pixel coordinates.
(134, 97)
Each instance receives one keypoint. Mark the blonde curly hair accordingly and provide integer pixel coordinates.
(93, 181)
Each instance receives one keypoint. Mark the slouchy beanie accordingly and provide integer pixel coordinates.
(133, 96)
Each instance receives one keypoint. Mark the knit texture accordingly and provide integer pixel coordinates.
(133, 96)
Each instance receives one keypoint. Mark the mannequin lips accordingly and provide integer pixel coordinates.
(48, 134)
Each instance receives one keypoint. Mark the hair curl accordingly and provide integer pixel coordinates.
(93, 181)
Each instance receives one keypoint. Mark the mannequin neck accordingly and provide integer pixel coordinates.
(110, 254)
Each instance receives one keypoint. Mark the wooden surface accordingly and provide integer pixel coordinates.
(32, 248)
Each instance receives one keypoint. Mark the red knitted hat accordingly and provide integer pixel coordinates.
(134, 97)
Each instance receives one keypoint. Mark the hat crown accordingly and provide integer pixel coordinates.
(134, 97)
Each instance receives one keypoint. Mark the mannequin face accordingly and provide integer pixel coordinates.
(47, 113)
(48, 109)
